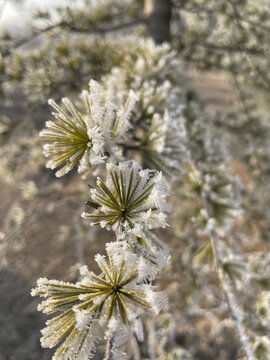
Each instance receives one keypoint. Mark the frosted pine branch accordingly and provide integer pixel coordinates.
(109, 349)
(129, 200)
(83, 137)
(227, 288)
(116, 296)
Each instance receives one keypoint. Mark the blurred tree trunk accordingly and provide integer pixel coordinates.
(158, 15)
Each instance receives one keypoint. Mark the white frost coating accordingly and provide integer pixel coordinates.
(82, 309)
(157, 300)
(83, 137)
(130, 198)
(138, 329)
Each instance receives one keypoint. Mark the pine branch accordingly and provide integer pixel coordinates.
(232, 48)
(100, 31)
(109, 348)
(202, 9)
(227, 288)
(75, 29)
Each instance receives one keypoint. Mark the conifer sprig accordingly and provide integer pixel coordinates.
(84, 137)
(72, 138)
(129, 199)
(117, 295)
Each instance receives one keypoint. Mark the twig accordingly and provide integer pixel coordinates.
(65, 25)
(33, 36)
(79, 248)
(227, 288)
(232, 48)
(100, 31)
(19, 227)
(109, 348)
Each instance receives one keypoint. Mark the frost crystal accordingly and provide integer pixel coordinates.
(115, 296)
(153, 252)
(83, 137)
(71, 139)
(163, 145)
(112, 119)
(130, 198)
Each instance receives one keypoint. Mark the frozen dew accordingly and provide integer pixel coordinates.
(129, 198)
(67, 140)
(83, 137)
(117, 296)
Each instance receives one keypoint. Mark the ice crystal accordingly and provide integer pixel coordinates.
(116, 296)
(84, 137)
(223, 195)
(129, 197)
(154, 253)
(71, 139)
(112, 119)
(163, 145)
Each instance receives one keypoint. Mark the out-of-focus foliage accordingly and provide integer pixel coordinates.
(218, 163)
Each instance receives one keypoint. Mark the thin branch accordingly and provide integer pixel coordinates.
(232, 48)
(33, 36)
(68, 26)
(129, 146)
(227, 288)
(262, 74)
(78, 243)
(100, 31)
(109, 349)
(30, 213)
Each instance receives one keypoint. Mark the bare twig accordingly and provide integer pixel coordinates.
(29, 215)
(100, 31)
(73, 28)
(237, 48)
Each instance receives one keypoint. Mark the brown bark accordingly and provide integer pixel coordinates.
(158, 16)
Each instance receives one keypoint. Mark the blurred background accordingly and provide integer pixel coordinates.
(217, 55)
